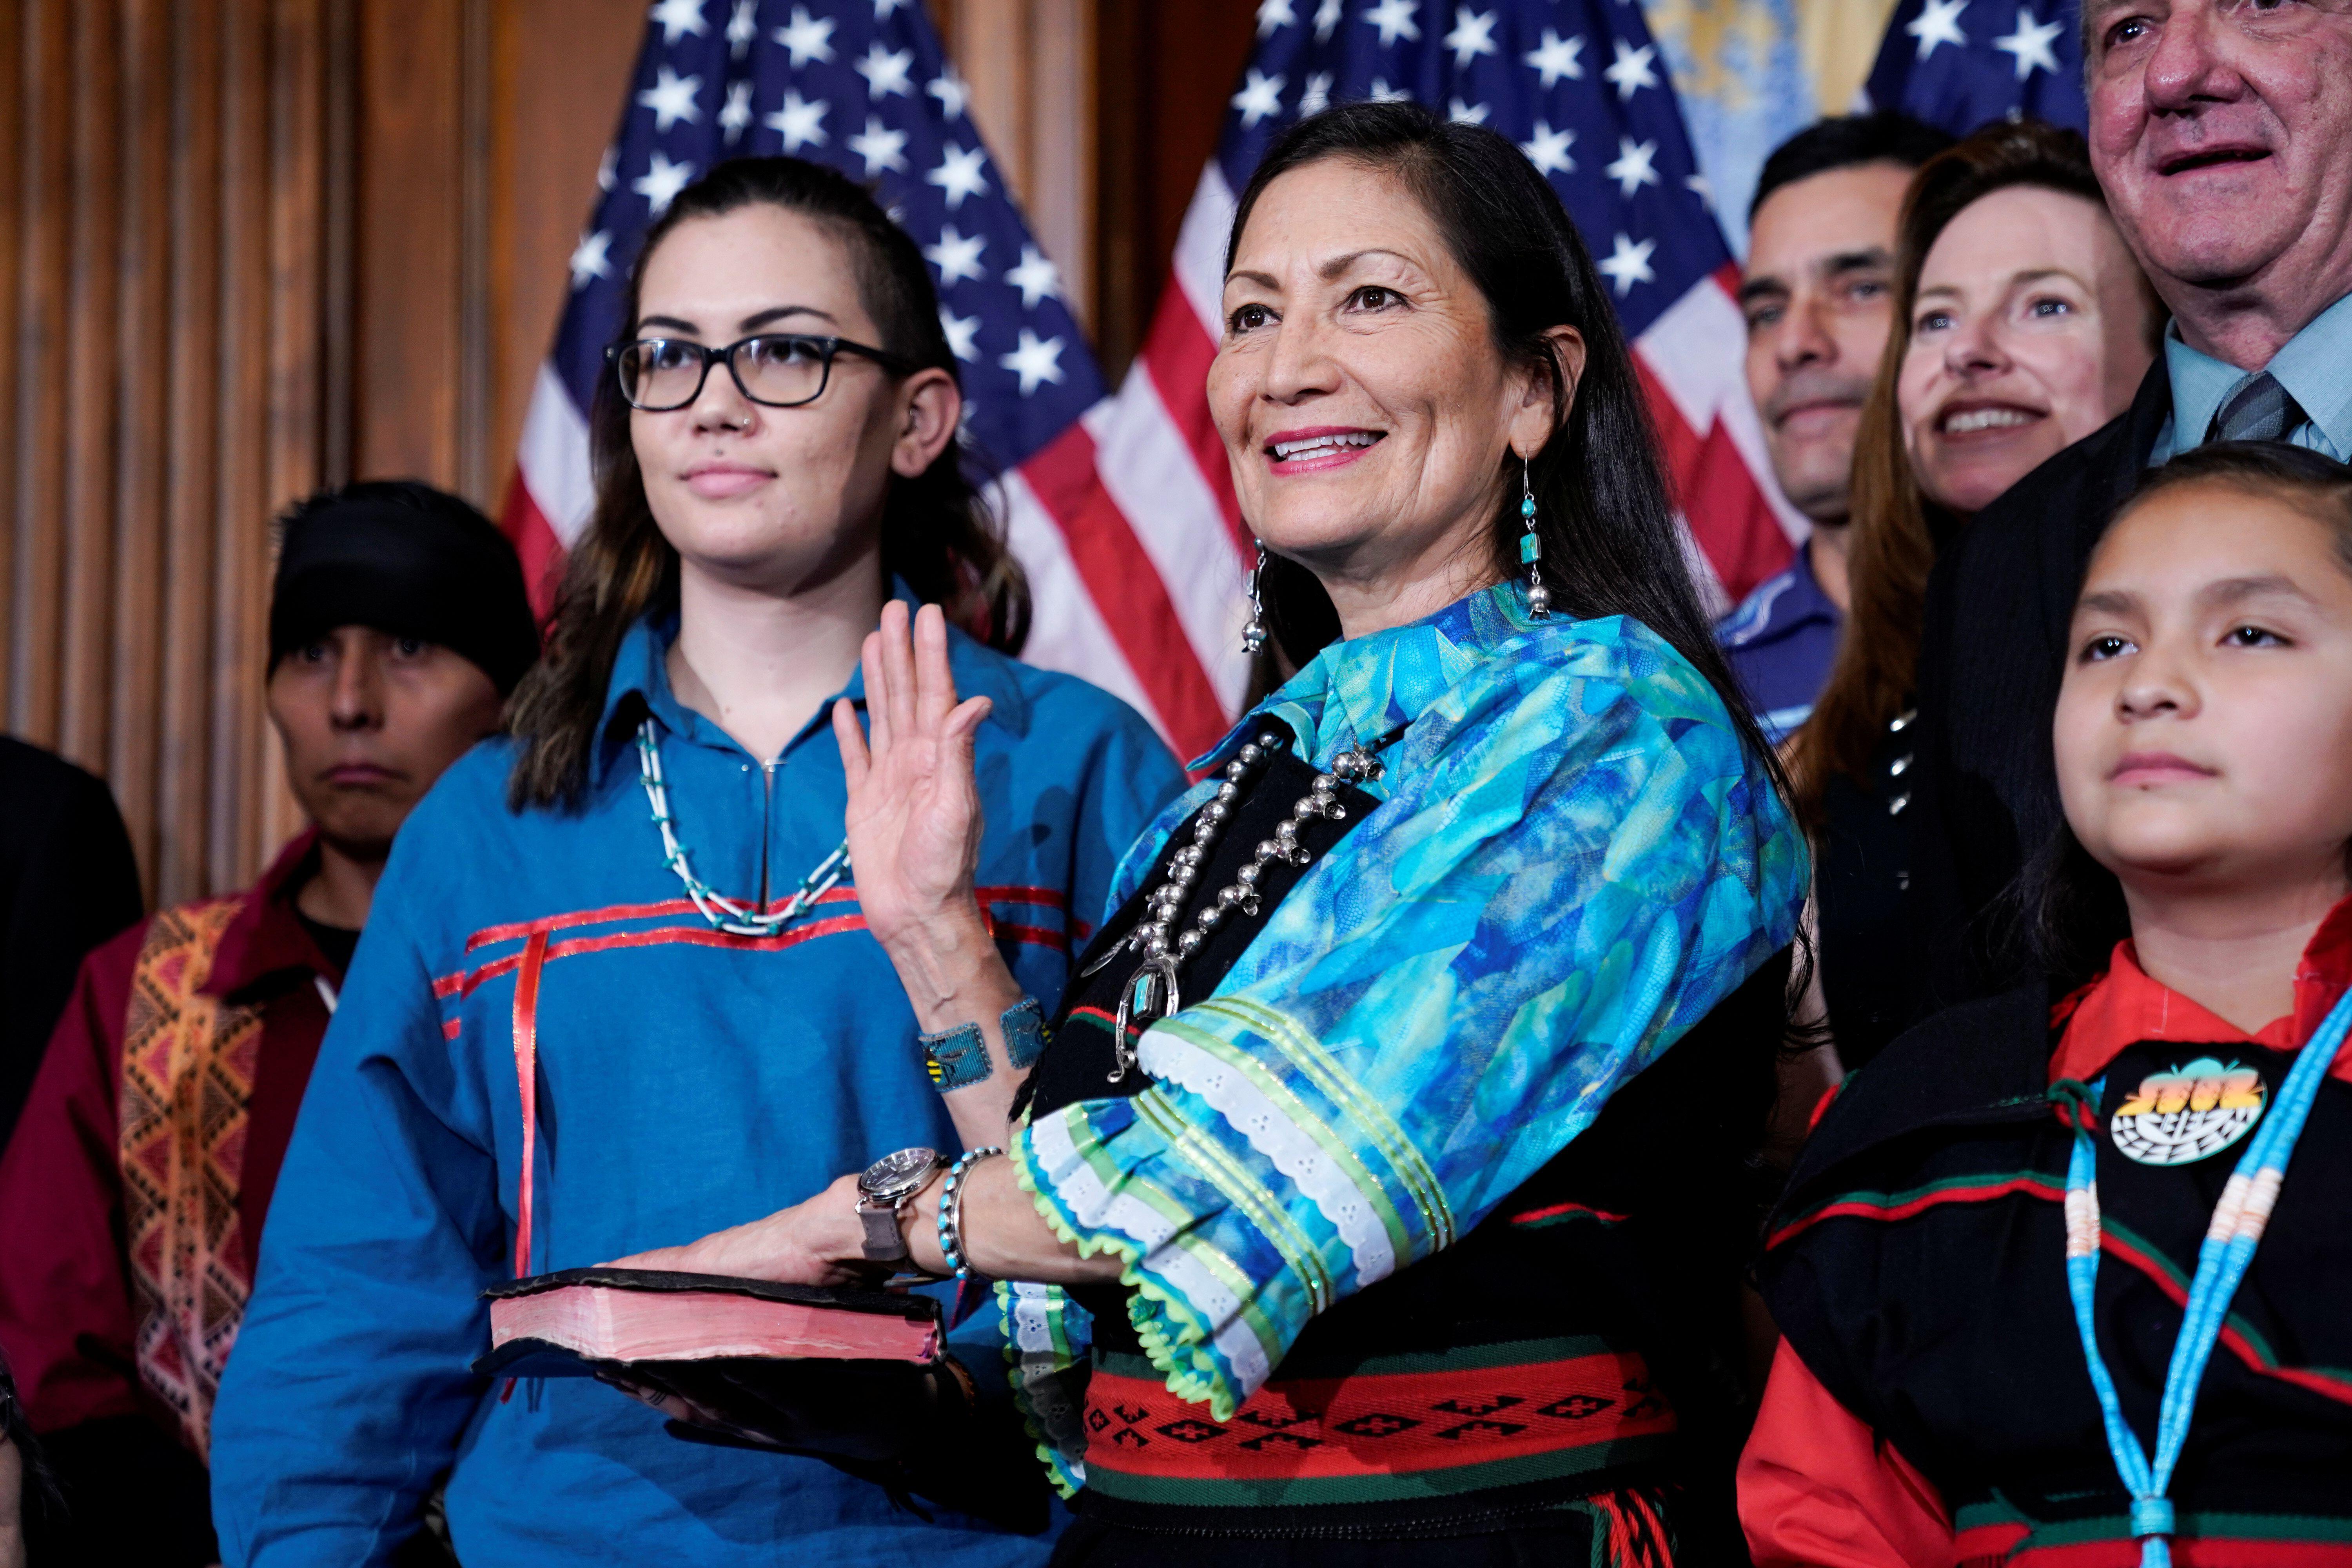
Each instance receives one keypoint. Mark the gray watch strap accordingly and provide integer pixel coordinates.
(885, 1243)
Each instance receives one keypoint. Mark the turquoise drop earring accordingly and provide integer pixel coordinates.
(1531, 551)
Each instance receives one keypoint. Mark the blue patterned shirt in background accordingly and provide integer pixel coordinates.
(1573, 862)
(1781, 642)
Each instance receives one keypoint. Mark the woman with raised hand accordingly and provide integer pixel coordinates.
(619, 985)
(1393, 1136)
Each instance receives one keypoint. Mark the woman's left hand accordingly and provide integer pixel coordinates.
(819, 1242)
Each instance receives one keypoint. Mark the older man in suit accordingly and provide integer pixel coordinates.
(2219, 130)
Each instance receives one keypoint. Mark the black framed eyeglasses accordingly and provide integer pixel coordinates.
(778, 370)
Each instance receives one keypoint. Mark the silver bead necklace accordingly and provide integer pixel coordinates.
(1151, 993)
(724, 913)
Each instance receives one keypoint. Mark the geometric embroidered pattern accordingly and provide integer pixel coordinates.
(187, 1081)
(1372, 1423)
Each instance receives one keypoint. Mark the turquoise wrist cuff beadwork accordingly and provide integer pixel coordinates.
(956, 1058)
(1024, 1034)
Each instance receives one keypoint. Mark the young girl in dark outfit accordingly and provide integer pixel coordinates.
(2047, 1299)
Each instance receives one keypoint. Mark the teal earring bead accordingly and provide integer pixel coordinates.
(1530, 553)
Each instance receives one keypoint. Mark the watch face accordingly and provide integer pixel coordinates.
(889, 1175)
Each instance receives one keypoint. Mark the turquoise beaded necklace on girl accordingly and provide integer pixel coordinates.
(2221, 1263)
(724, 913)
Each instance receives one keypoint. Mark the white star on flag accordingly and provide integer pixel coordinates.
(671, 98)
(800, 122)
(607, 168)
(963, 334)
(1273, 16)
(1316, 96)
(1384, 93)
(1556, 57)
(591, 257)
(951, 92)
(1260, 96)
(2030, 45)
(1035, 278)
(1463, 113)
(737, 115)
(1633, 168)
(1629, 264)
(677, 17)
(881, 147)
(1327, 16)
(1548, 151)
(956, 255)
(808, 38)
(661, 182)
(886, 72)
(1473, 35)
(883, 9)
(959, 174)
(742, 27)
(1034, 362)
(1697, 186)
(1630, 71)
(1939, 24)
(1394, 19)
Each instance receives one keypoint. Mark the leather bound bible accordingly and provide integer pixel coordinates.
(579, 1320)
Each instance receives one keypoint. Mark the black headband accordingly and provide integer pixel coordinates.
(436, 570)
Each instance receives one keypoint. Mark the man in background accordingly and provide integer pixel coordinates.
(68, 881)
(2218, 133)
(133, 1194)
(1817, 291)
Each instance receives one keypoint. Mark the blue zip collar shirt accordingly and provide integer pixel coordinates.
(688, 1080)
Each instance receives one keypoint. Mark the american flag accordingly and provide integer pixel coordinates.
(1119, 505)
(1958, 63)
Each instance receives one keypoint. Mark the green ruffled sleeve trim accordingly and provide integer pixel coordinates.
(1064, 1468)
(1174, 1334)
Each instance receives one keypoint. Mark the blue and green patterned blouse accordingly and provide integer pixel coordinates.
(1573, 861)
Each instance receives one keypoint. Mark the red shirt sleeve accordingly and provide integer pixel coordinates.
(1818, 1489)
(64, 1298)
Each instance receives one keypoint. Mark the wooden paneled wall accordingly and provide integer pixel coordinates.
(252, 246)
(169, 273)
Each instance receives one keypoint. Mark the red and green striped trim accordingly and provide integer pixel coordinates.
(1995, 1533)
(2241, 1338)
(1888, 1207)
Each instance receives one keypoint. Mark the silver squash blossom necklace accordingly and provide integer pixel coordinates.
(1151, 993)
(724, 913)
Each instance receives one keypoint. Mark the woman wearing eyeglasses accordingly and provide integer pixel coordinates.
(633, 911)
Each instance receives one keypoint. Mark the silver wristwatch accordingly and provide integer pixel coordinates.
(883, 1190)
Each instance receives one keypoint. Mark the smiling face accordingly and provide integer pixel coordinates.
(2030, 330)
(1817, 293)
(2204, 729)
(776, 500)
(1367, 413)
(2218, 129)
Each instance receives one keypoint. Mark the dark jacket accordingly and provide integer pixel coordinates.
(1985, 794)
(68, 882)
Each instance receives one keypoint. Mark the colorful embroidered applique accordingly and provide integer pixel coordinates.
(2190, 1113)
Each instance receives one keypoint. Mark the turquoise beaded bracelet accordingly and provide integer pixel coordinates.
(952, 1209)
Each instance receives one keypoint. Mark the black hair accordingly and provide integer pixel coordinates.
(1610, 544)
(2072, 907)
(937, 530)
(1848, 142)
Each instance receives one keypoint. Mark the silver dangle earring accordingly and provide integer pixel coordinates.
(1254, 634)
(1531, 551)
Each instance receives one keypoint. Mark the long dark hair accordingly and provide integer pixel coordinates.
(2069, 908)
(937, 532)
(1610, 546)
(1894, 525)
